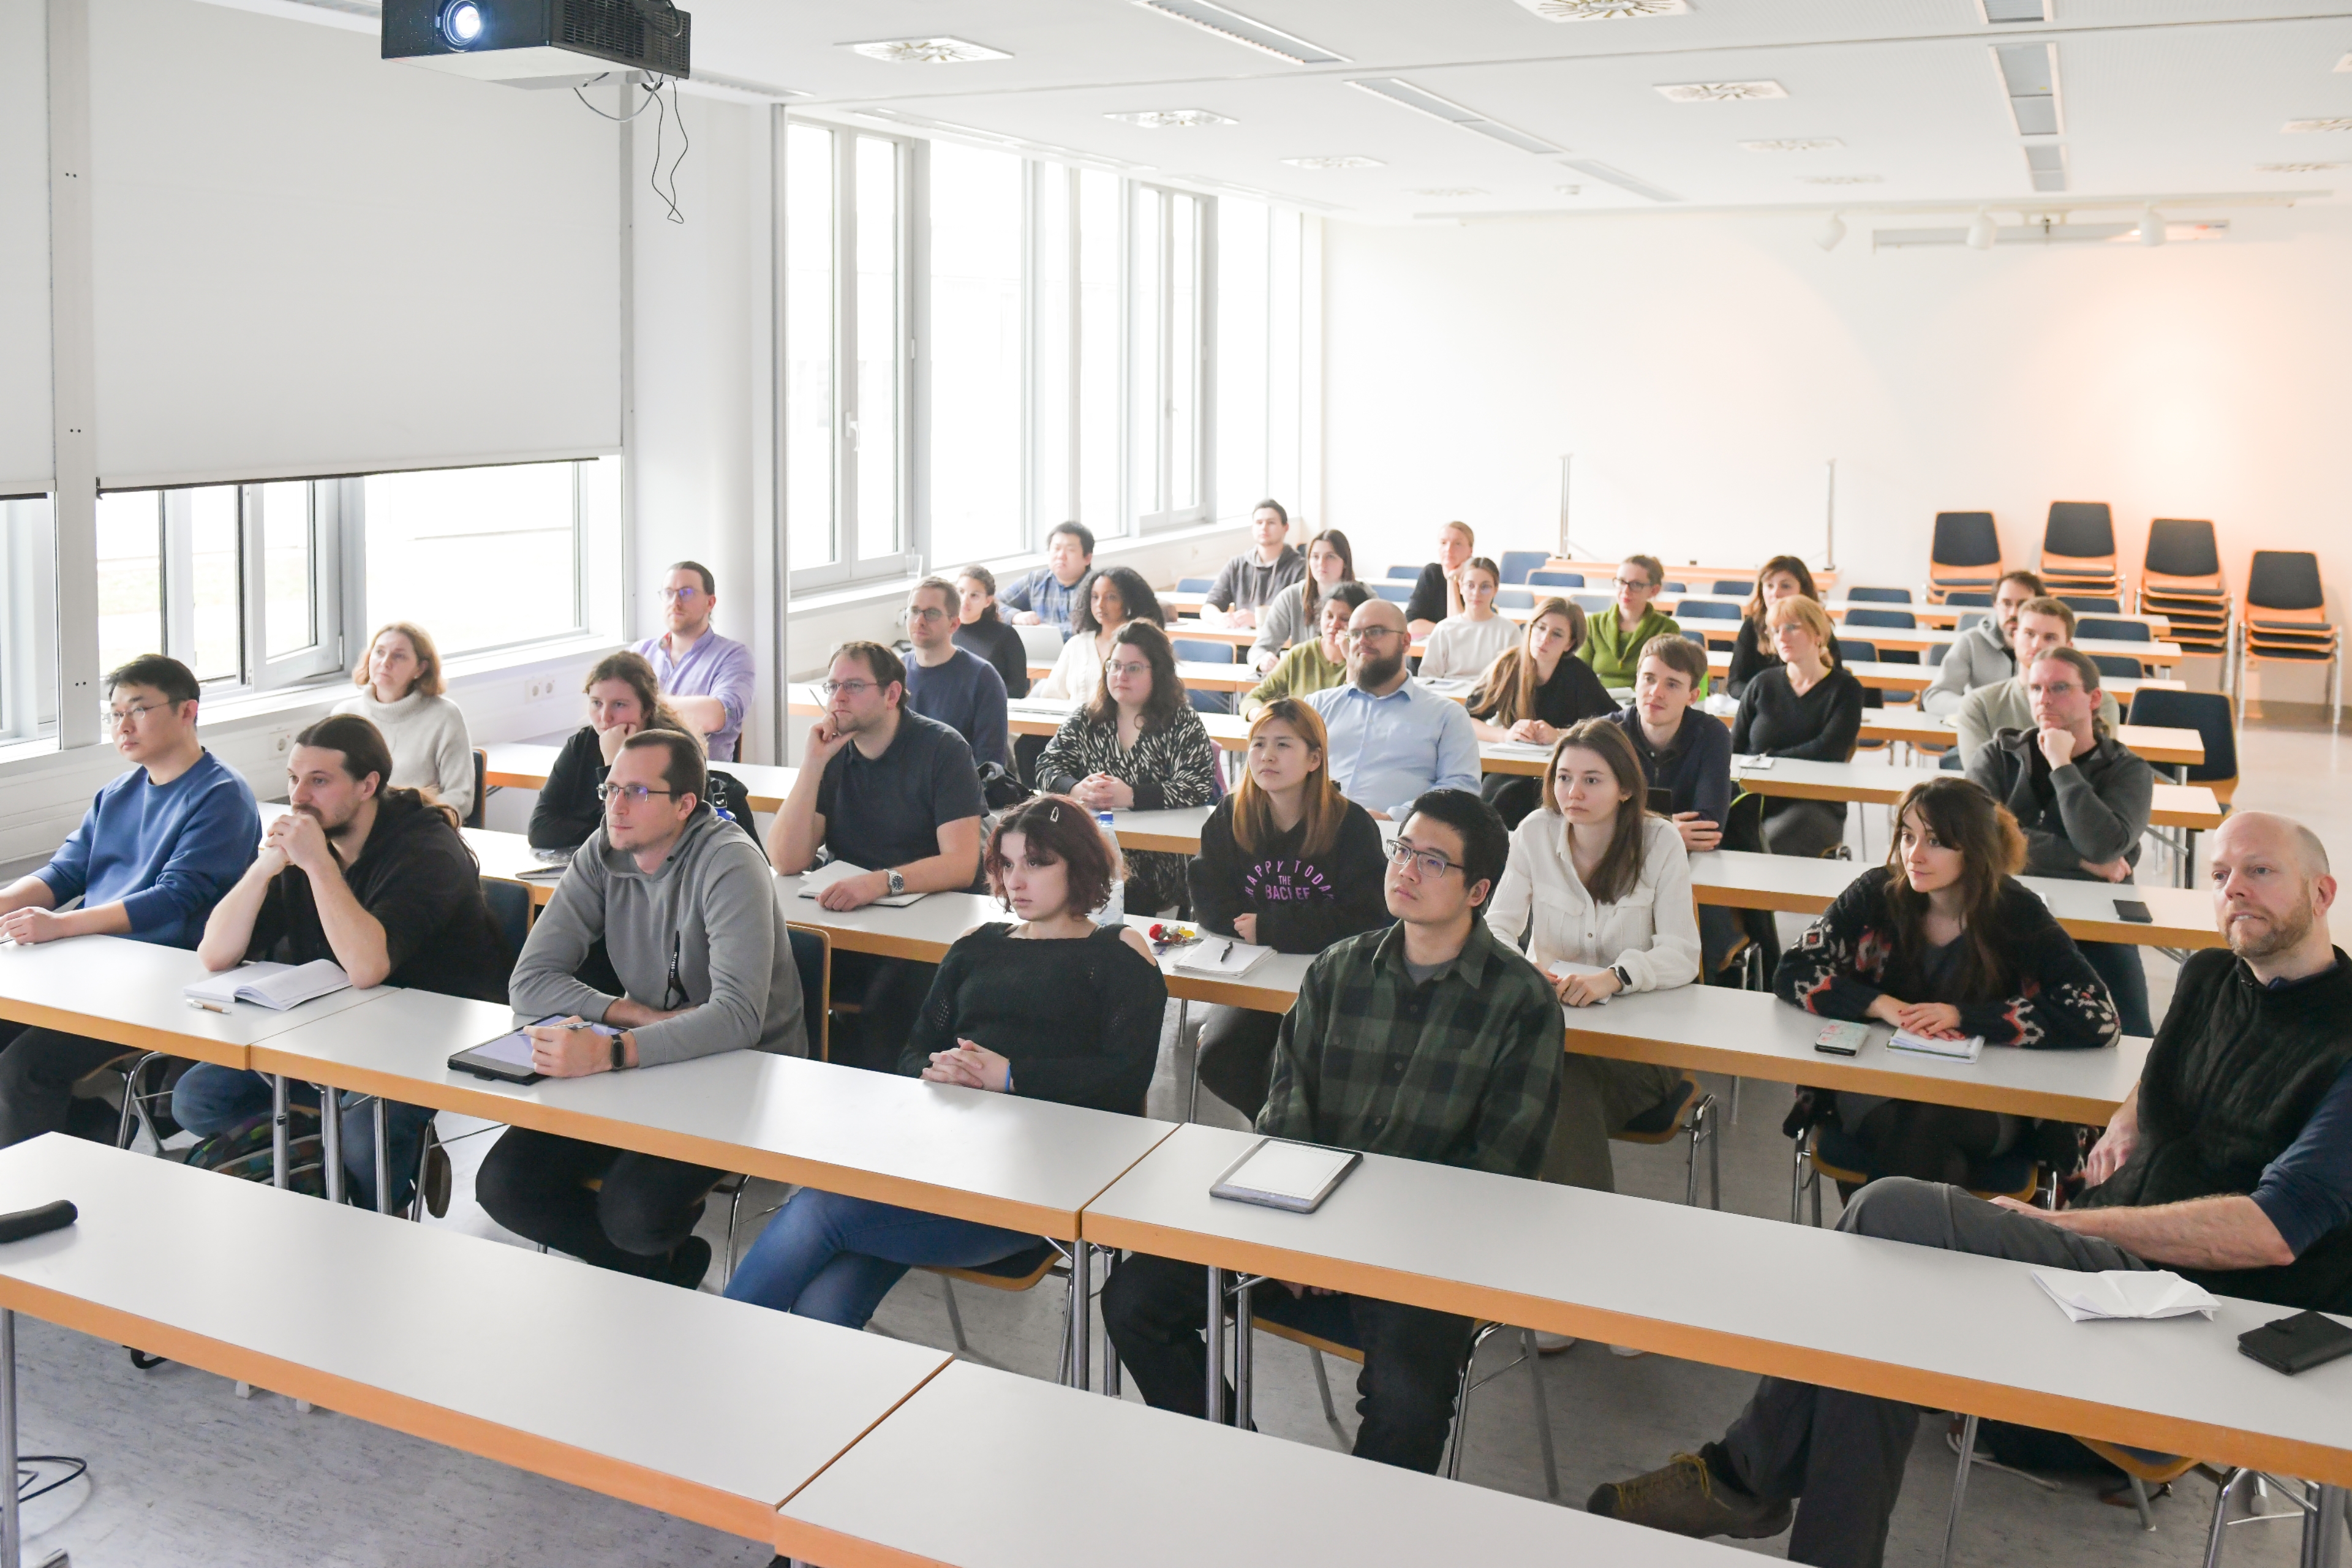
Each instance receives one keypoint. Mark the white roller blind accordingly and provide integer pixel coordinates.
(25, 449)
(310, 260)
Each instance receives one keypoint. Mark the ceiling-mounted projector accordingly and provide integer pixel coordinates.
(539, 43)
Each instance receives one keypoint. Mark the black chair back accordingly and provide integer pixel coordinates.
(2207, 713)
(2113, 631)
(2079, 529)
(2182, 547)
(1879, 595)
(1965, 538)
(481, 787)
(510, 904)
(2284, 580)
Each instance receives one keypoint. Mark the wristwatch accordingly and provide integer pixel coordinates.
(897, 883)
(1624, 981)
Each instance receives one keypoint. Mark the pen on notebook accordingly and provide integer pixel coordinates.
(208, 1006)
(1227, 954)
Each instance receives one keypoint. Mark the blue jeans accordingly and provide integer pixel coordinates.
(212, 1098)
(833, 1258)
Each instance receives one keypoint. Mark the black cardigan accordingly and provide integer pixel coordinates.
(1301, 905)
(1001, 645)
(1573, 693)
(1822, 726)
(1749, 659)
(568, 810)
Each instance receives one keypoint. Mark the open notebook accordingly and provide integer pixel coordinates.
(1965, 1049)
(814, 881)
(274, 985)
(1220, 958)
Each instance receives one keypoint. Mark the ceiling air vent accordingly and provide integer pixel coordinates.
(1177, 118)
(2047, 165)
(1605, 10)
(2295, 168)
(1343, 161)
(1794, 144)
(1719, 91)
(927, 51)
(1608, 174)
(2340, 123)
(2009, 13)
(1842, 179)
(2029, 78)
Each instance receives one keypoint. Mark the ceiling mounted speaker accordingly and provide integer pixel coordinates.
(1980, 232)
(2151, 226)
(1834, 234)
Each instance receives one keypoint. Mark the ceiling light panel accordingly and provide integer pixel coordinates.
(1719, 91)
(927, 51)
(1609, 175)
(1605, 10)
(2009, 13)
(2029, 78)
(2341, 123)
(1840, 179)
(1243, 30)
(1794, 144)
(1453, 191)
(1344, 161)
(2294, 168)
(1173, 118)
(2046, 165)
(1424, 101)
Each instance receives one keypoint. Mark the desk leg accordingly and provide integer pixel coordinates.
(1244, 1349)
(1959, 1486)
(281, 1161)
(12, 1535)
(331, 1142)
(2323, 1527)
(1215, 1405)
(1081, 1314)
(2187, 857)
(382, 1156)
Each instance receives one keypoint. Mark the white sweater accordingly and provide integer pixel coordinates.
(1461, 646)
(1078, 674)
(428, 741)
(1653, 931)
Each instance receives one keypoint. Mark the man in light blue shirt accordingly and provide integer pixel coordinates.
(708, 679)
(1392, 737)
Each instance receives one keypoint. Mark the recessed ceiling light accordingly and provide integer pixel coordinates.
(1842, 179)
(1453, 191)
(1422, 101)
(1159, 118)
(927, 51)
(1344, 160)
(2294, 168)
(1243, 30)
(1569, 190)
(2342, 122)
(1605, 10)
(2004, 13)
(2029, 78)
(2045, 162)
(1795, 144)
(1720, 91)
(1609, 174)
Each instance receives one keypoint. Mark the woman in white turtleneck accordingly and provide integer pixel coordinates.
(400, 691)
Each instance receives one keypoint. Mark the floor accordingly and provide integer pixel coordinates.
(183, 1472)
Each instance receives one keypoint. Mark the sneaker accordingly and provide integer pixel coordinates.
(687, 1264)
(1628, 1352)
(1551, 1343)
(1686, 1499)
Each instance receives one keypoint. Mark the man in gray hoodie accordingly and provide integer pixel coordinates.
(1985, 652)
(686, 909)
(2083, 800)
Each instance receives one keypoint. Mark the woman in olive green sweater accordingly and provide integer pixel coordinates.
(1612, 642)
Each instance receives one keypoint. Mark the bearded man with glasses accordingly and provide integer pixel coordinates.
(1430, 1040)
(688, 912)
(155, 852)
(896, 795)
(1393, 739)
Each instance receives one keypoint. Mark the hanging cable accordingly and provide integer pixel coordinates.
(669, 197)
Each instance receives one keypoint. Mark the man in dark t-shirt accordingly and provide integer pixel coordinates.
(896, 796)
(375, 880)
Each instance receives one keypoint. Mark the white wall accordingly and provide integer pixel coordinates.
(1702, 369)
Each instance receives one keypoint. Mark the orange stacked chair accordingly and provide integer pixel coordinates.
(2078, 549)
(1964, 556)
(2285, 619)
(2181, 580)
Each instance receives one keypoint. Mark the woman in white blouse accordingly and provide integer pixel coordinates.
(1596, 880)
(401, 691)
(1463, 646)
(1107, 600)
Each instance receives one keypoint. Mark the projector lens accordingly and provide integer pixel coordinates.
(461, 23)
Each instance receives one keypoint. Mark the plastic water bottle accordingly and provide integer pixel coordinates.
(1114, 910)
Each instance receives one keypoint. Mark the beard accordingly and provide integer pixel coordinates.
(333, 827)
(2284, 932)
(1374, 672)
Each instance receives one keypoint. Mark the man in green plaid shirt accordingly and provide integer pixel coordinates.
(1428, 1040)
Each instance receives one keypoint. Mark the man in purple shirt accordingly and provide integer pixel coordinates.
(707, 677)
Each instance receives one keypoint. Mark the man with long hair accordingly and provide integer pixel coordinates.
(2231, 1162)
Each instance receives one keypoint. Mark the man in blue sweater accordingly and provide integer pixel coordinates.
(155, 852)
(953, 685)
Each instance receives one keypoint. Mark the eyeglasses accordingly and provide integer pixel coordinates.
(634, 794)
(1114, 669)
(678, 595)
(1639, 584)
(827, 688)
(119, 716)
(1367, 633)
(1427, 863)
(928, 613)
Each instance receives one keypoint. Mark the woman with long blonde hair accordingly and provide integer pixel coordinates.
(1287, 862)
(1533, 693)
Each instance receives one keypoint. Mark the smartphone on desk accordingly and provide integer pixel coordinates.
(2134, 910)
(1843, 1039)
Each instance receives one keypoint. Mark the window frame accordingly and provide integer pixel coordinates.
(1199, 359)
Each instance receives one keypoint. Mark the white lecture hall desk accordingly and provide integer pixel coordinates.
(523, 764)
(712, 1410)
(1944, 1330)
(1063, 1482)
(129, 993)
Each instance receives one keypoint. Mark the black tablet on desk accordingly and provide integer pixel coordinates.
(508, 1058)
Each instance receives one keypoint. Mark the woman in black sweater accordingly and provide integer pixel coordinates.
(1286, 861)
(1782, 577)
(982, 631)
(1535, 694)
(1943, 942)
(624, 697)
(1806, 707)
(1054, 1007)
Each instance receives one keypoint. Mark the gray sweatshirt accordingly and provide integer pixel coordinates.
(1977, 658)
(713, 904)
(2096, 809)
(2006, 705)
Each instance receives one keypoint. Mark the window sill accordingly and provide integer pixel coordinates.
(883, 590)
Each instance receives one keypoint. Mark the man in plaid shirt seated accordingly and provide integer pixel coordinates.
(1429, 1040)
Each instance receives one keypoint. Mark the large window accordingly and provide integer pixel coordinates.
(236, 582)
(481, 558)
(976, 355)
(1168, 311)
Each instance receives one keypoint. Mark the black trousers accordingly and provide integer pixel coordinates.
(890, 994)
(1154, 1310)
(38, 1068)
(535, 1185)
(1842, 1454)
(1236, 1056)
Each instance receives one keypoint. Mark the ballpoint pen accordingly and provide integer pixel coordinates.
(1227, 954)
(208, 1006)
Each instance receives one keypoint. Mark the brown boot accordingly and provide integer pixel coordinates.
(1686, 1499)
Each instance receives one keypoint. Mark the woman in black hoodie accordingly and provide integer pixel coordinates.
(1286, 861)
